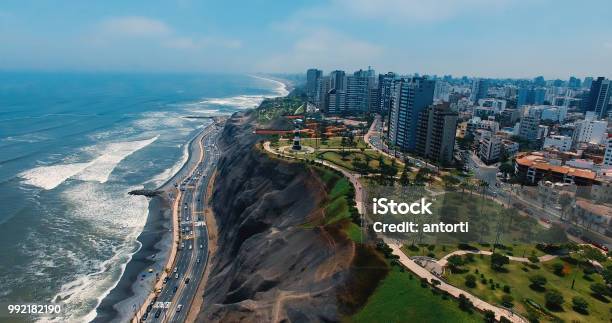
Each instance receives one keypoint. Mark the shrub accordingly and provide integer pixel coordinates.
(498, 261)
(489, 316)
(533, 259)
(554, 299)
(558, 269)
(464, 303)
(580, 305)
(537, 281)
(506, 289)
(470, 281)
(600, 289)
(507, 300)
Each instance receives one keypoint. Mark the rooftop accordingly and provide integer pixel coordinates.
(538, 161)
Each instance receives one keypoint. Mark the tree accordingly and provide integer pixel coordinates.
(558, 269)
(554, 299)
(507, 300)
(454, 262)
(489, 316)
(470, 281)
(498, 261)
(465, 303)
(580, 305)
(600, 289)
(404, 180)
(506, 168)
(537, 281)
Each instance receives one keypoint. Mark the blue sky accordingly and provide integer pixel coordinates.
(489, 38)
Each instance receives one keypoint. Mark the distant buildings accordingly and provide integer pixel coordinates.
(436, 133)
(599, 97)
(480, 90)
(531, 96)
(411, 97)
(312, 77)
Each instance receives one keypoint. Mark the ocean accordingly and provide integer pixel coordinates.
(71, 146)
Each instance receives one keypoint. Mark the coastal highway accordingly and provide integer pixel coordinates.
(177, 293)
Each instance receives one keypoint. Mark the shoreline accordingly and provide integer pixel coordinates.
(130, 292)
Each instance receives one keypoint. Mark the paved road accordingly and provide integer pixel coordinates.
(173, 302)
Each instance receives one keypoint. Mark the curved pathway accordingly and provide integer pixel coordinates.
(442, 262)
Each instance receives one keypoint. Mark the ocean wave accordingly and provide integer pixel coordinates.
(99, 169)
(117, 219)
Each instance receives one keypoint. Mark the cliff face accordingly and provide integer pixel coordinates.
(269, 267)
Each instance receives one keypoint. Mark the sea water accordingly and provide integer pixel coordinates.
(71, 147)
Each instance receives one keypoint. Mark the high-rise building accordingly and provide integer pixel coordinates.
(588, 81)
(442, 91)
(608, 155)
(385, 92)
(490, 148)
(358, 91)
(599, 97)
(480, 90)
(411, 97)
(338, 80)
(529, 128)
(337, 101)
(573, 82)
(322, 96)
(312, 77)
(530, 96)
(436, 133)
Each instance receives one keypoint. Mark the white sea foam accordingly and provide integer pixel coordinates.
(117, 219)
(49, 177)
(99, 169)
(249, 101)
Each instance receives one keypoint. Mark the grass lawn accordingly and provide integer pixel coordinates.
(336, 158)
(518, 280)
(398, 298)
(333, 142)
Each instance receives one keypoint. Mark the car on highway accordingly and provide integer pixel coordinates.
(175, 289)
(186, 281)
(189, 247)
(144, 317)
(198, 260)
(175, 270)
(201, 246)
(158, 313)
(179, 307)
(176, 275)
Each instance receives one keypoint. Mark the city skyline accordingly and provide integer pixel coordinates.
(490, 39)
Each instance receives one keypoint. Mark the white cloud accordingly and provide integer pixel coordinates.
(407, 11)
(327, 48)
(135, 26)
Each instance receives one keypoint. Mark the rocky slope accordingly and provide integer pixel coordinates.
(269, 266)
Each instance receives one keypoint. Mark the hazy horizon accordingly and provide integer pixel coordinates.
(497, 38)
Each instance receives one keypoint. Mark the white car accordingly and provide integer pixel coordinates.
(189, 247)
(179, 307)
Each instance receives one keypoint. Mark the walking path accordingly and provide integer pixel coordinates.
(452, 290)
(442, 262)
(405, 260)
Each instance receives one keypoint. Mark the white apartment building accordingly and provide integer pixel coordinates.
(562, 143)
(608, 156)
